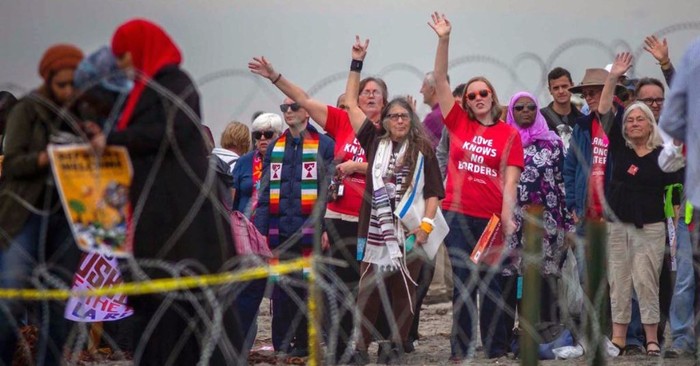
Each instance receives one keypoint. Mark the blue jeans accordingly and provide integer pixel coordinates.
(247, 306)
(682, 317)
(467, 278)
(44, 241)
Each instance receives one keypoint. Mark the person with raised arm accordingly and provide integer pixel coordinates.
(346, 189)
(486, 158)
(403, 174)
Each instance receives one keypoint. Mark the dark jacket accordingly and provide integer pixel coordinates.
(580, 156)
(29, 127)
(175, 216)
(290, 218)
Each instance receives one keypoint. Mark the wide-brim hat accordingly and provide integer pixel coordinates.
(593, 77)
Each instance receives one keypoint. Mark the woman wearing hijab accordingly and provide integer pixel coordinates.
(34, 232)
(174, 220)
(541, 184)
(402, 168)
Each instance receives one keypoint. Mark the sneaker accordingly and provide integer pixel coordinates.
(384, 352)
(360, 358)
(677, 353)
(632, 350)
(298, 352)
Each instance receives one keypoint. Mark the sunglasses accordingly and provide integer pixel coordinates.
(343, 107)
(257, 135)
(294, 106)
(482, 93)
(530, 107)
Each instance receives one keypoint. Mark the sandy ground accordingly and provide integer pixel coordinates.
(434, 346)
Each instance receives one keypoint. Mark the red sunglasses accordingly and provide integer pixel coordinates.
(482, 93)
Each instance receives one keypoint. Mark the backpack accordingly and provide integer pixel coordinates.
(552, 336)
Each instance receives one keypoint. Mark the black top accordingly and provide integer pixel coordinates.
(555, 119)
(175, 212)
(637, 188)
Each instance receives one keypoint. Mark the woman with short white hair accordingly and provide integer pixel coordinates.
(637, 231)
(247, 175)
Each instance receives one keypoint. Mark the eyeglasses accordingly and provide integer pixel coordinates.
(294, 106)
(589, 93)
(394, 117)
(651, 101)
(371, 93)
(530, 107)
(257, 135)
(482, 93)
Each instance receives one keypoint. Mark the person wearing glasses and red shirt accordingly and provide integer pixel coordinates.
(486, 158)
(341, 219)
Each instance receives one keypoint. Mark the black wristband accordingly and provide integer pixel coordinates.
(356, 65)
(277, 78)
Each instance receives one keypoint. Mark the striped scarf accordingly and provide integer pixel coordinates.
(309, 185)
(385, 234)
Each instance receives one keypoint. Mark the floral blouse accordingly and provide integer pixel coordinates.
(542, 183)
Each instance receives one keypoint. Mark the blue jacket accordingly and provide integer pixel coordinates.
(578, 161)
(290, 217)
(243, 182)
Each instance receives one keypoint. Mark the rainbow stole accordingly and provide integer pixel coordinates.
(309, 185)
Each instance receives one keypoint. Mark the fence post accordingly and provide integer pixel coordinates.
(532, 264)
(596, 286)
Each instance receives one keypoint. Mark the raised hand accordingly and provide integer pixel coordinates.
(440, 25)
(262, 67)
(412, 102)
(359, 49)
(622, 63)
(658, 49)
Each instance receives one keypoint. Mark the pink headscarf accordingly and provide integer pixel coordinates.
(538, 130)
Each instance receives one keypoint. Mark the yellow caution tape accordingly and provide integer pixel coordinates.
(162, 284)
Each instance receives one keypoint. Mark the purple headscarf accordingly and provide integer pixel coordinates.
(538, 130)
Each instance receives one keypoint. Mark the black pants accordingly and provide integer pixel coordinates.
(425, 277)
(341, 286)
(549, 304)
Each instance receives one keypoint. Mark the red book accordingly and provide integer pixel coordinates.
(490, 247)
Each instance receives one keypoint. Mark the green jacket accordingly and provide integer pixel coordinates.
(29, 126)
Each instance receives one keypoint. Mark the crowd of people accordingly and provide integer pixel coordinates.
(375, 193)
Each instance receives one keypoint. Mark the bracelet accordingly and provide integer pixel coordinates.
(426, 227)
(277, 78)
(429, 221)
(664, 63)
(356, 65)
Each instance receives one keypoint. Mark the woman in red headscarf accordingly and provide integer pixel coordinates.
(175, 219)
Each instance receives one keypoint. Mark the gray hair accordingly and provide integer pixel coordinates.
(654, 139)
(268, 121)
(430, 79)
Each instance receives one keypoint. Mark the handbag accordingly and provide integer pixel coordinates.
(247, 238)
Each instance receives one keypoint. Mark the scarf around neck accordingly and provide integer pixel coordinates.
(309, 184)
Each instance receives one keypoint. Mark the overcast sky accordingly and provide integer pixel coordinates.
(309, 41)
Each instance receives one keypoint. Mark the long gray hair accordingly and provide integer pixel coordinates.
(654, 139)
(417, 138)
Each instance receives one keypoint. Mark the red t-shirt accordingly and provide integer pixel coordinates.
(476, 167)
(346, 148)
(596, 181)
